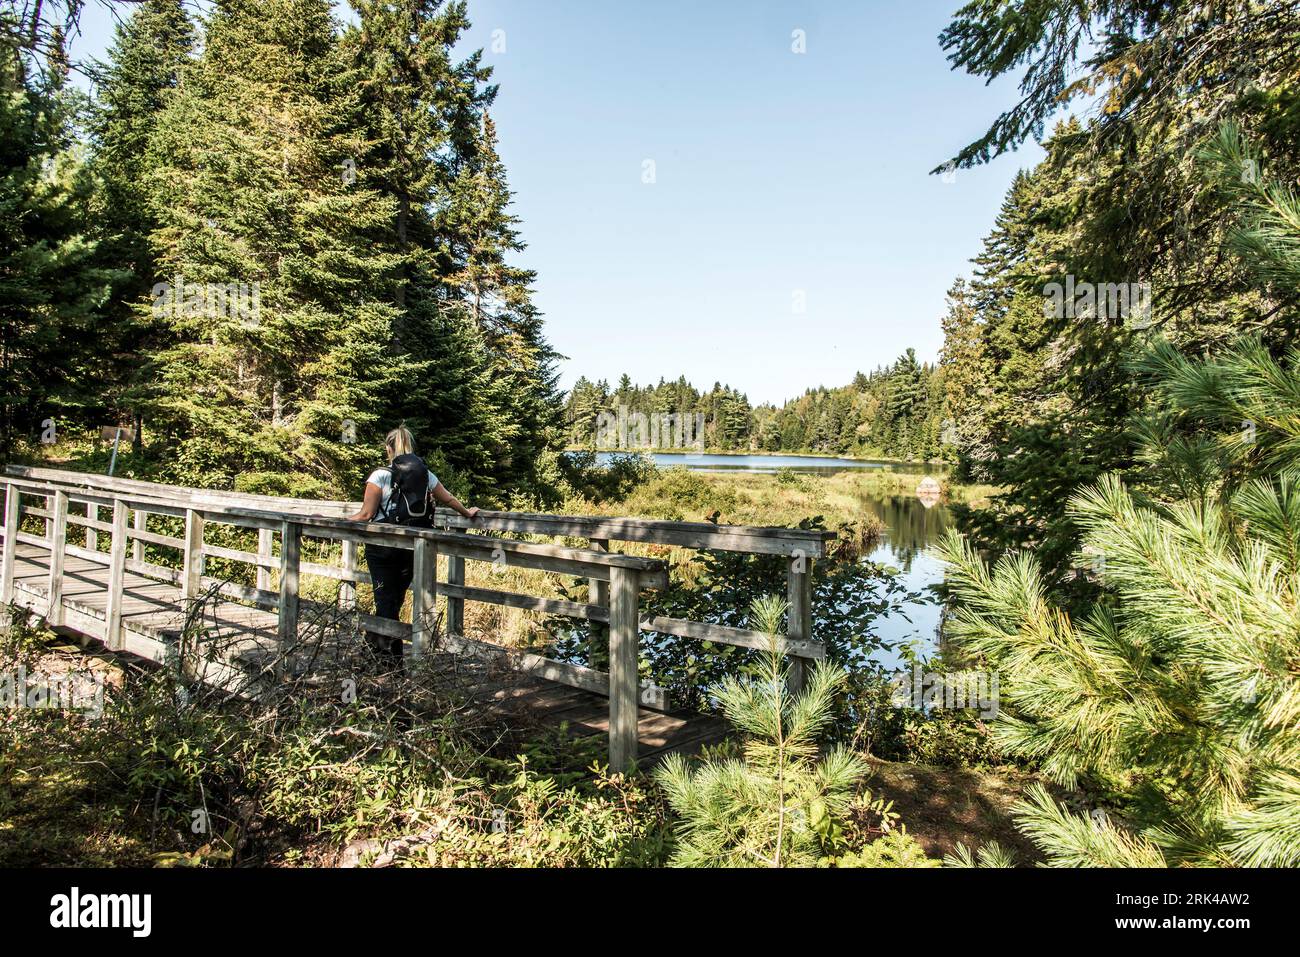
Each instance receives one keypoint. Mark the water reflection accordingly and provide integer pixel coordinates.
(907, 545)
(911, 528)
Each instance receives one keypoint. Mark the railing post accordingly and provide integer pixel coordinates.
(598, 649)
(116, 579)
(348, 589)
(264, 546)
(141, 524)
(12, 496)
(192, 574)
(58, 544)
(424, 597)
(92, 535)
(290, 551)
(455, 606)
(624, 630)
(799, 621)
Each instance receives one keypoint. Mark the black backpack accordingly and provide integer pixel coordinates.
(409, 502)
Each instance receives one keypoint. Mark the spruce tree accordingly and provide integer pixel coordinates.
(143, 69)
(418, 99)
(497, 297)
(253, 188)
(51, 282)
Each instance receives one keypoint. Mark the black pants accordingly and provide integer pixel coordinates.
(391, 570)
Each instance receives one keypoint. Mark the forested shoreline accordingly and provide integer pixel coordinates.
(896, 411)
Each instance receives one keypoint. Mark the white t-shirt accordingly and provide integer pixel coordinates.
(383, 478)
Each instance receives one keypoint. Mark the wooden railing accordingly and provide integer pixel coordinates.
(616, 580)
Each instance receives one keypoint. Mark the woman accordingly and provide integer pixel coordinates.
(391, 569)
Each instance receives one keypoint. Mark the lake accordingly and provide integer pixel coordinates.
(770, 462)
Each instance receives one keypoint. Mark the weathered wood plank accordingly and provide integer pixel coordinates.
(12, 497)
(348, 588)
(550, 606)
(455, 600)
(58, 542)
(116, 574)
(193, 546)
(726, 635)
(164, 541)
(424, 598)
(623, 600)
(140, 523)
(759, 540)
(290, 547)
(799, 618)
(264, 558)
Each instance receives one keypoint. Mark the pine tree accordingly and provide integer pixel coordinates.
(1176, 690)
(1177, 697)
(769, 809)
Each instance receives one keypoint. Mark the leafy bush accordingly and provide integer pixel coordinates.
(897, 848)
(596, 482)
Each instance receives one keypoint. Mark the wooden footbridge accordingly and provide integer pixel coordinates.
(138, 567)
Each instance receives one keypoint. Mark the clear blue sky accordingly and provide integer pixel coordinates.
(778, 175)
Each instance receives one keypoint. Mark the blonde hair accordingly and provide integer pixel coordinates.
(400, 442)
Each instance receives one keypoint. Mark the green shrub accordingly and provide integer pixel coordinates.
(589, 479)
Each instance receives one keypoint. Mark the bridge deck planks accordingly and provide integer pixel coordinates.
(153, 611)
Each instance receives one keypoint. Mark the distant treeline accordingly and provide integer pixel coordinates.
(896, 411)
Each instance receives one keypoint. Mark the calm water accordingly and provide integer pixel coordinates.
(703, 461)
(911, 532)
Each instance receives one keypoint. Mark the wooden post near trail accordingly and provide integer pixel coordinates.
(799, 617)
(599, 596)
(624, 628)
(11, 545)
(348, 589)
(424, 598)
(116, 578)
(455, 605)
(192, 572)
(58, 549)
(290, 556)
(264, 555)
